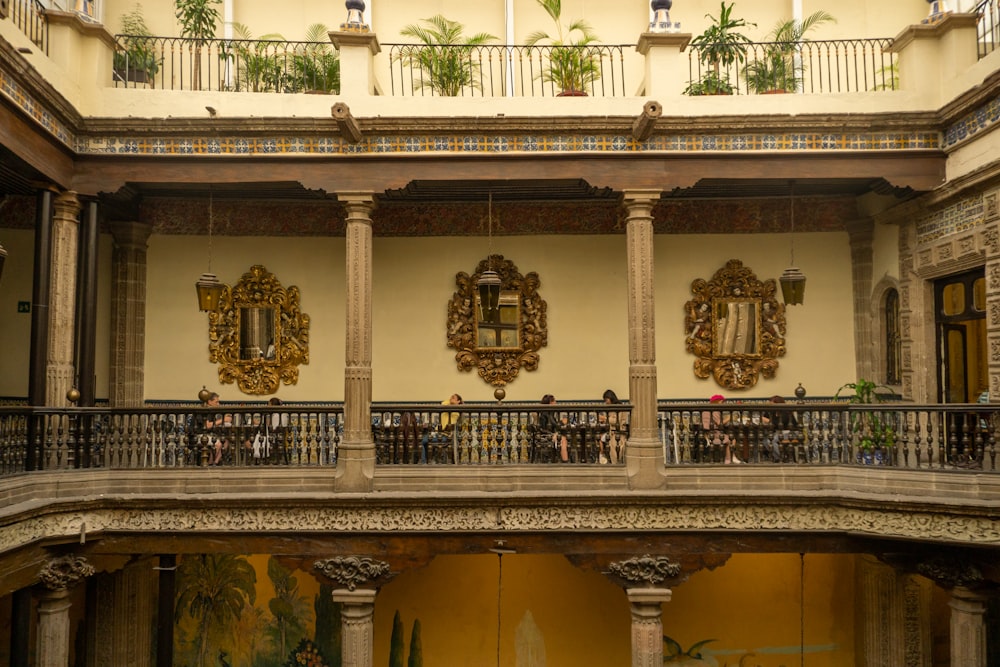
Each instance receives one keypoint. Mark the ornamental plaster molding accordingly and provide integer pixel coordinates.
(646, 569)
(351, 571)
(877, 521)
(64, 572)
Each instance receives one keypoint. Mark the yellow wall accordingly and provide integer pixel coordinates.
(750, 605)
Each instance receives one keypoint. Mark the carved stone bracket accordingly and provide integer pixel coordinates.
(498, 365)
(646, 569)
(350, 571)
(258, 336)
(64, 572)
(735, 325)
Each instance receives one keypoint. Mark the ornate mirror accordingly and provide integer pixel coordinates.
(499, 341)
(258, 336)
(735, 325)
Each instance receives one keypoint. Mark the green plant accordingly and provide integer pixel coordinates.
(572, 67)
(779, 68)
(259, 68)
(198, 19)
(719, 46)
(873, 428)
(445, 55)
(316, 67)
(137, 61)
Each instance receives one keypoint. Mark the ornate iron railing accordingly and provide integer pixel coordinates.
(239, 65)
(988, 26)
(823, 66)
(938, 437)
(457, 70)
(29, 16)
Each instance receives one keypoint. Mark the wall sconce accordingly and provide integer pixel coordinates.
(489, 282)
(3, 258)
(208, 286)
(793, 281)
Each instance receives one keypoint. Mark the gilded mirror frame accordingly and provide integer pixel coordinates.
(258, 365)
(736, 305)
(497, 365)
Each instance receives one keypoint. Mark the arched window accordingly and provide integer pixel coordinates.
(893, 340)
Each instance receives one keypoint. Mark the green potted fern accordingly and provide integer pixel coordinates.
(445, 55)
(778, 70)
(720, 46)
(573, 65)
(136, 61)
(876, 436)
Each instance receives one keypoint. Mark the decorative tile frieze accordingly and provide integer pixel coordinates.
(963, 215)
(19, 97)
(972, 123)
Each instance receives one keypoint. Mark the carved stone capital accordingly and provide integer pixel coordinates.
(646, 569)
(64, 572)
(350, 571)
(951, 573)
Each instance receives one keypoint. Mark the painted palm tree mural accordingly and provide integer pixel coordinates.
(213, 590)
(291, 613)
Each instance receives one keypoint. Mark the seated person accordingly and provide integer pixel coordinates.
(449, 420)
(613, 426)
(551, 425)
(217, 422)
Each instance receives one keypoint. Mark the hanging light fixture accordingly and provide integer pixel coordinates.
(208, 286)
(3, 258)
(489, 282)
(793, 282)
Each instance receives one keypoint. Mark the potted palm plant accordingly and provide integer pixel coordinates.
(573, 66)
(136, 61)
(316, 67)
(874, 429)
(719, 47)
(198, 19)
(445, 56)
(778, 70)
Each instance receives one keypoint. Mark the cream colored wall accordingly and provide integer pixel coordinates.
(819, 338)
(177, 332)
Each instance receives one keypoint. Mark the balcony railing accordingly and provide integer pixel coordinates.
(457, 70)
(238, 65)
(826, 66)
(938, 437)
(29, 16)
(988, 26)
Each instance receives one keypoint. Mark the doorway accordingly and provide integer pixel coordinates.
(960, 314)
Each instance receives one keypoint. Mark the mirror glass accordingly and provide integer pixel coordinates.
(498, 345)
(735, 326)
(258, 336)
(502, 330)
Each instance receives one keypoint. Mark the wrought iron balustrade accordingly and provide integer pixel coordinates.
(458, 70)
(54, 439)
(821, 66)
(29, 17)
(953, 436)
(232, 65)
(491, 434)
(987, 26)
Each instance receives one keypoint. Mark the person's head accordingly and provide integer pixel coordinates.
(213, 399)
(717, 398)
(610, 396)
(455, 399)
(548, 398)
(274, 401)
(777, 399)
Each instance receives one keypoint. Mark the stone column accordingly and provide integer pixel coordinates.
(58, 577)
(121, 616)
(644, 457)
(647, 625)
(59, 370)
(356, 458)
(358, 632)
(879, 614)
(128, 313)
(968, 632)
(861, 234)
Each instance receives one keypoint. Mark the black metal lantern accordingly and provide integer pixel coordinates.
(793, 281)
